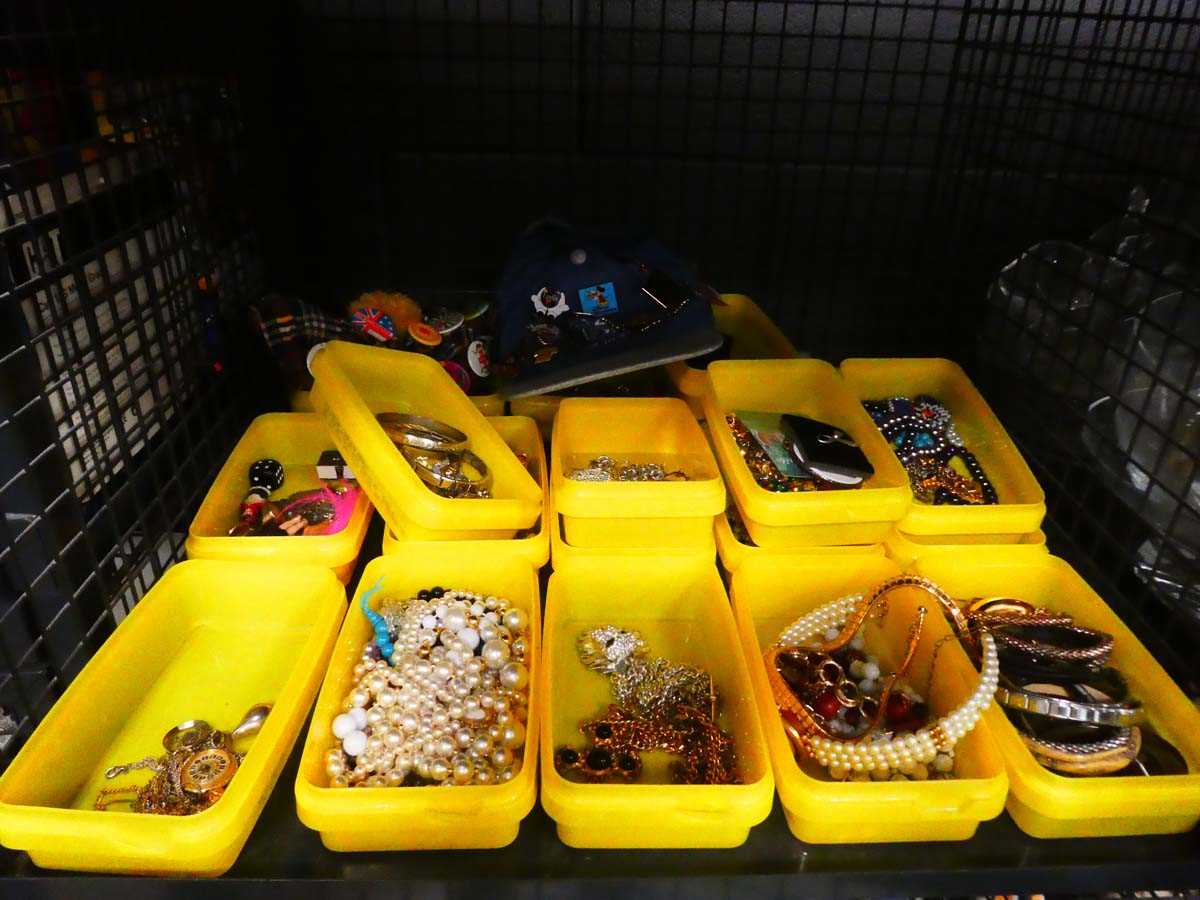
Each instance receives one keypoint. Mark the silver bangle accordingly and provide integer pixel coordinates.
(445, 471)
(1089, 713)
(422, 432)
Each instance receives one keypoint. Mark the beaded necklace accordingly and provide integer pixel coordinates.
(922, 434)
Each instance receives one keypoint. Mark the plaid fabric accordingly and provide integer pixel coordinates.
(282, 319)
(290, 327)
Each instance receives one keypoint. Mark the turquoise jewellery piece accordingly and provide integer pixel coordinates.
(383, 637)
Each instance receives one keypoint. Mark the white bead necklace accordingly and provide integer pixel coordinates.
(450, 704)
(902, 752)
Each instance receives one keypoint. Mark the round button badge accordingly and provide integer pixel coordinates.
(478, 359)
(444, 320)
(424, 334)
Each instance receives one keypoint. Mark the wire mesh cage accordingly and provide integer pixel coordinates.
(123, 256)
(1008, 184)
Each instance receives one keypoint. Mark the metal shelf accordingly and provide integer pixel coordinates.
(285, 857)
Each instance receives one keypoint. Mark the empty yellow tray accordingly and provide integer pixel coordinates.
(563, 556)
(353, 383)
(489, 404)
(752, 336)
(296, 440)
(522, 435)
(1043, 803)
(904, 548)
(679, 606)
(734, 553)
(768, 595)
(1022, 503)
(210, 640)
(634, 513)
(420, 818)
(812, 388)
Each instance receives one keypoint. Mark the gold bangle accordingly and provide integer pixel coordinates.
(1102, 757)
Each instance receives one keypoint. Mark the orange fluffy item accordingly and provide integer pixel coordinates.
(402, 308)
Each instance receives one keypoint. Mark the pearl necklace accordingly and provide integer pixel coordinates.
(439, 696)
(900, 752)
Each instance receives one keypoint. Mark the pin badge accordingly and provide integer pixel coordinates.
(478, 359)
(599, 299)
(375, 322)
(550, 303)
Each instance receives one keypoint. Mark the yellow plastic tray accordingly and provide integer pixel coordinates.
(904, 548)
(488, 404)
(768, 595)
(1048, 805)
(679, 606)
(754, 336)
(542, 408)
(734, 553)
(563, 556)
(301, 401)
(420, 818)
(211, 639)
(811, 388)
(634, 513)
(296, 440)
(355, 382)
(1022, 503)
(520, 433)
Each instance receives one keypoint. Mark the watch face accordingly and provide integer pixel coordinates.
(478, 359)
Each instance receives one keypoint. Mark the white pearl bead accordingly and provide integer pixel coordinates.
(512, 735)
(469, 637)
(343, 725)
(463, 771)
(515, 620)
(455, 620)
(354, 743)
(495, 654)
(514, 676)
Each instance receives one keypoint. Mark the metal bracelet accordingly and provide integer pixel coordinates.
(1096, 654)
(445, 471)
(1088, 713)
(1122, 740)
(422, 432)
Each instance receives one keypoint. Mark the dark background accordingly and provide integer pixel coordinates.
(862, 169)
